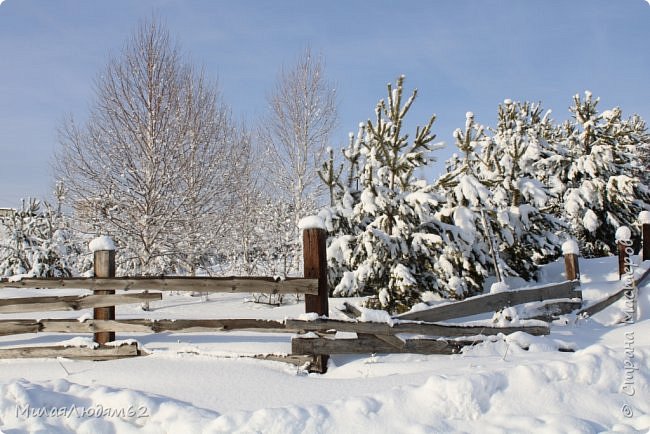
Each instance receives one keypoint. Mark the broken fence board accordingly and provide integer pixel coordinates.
(369, 344)
(78, 353)
(551, 310)
(40, 304)
(494, 302)
(199, 284)
(429, 329)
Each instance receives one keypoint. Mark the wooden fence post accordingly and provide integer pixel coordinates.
(644, 219)
(624, 247)
(570, 250)
(315, 267)
(104, 267)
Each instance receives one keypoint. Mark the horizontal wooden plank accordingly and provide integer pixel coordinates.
(77, 353)
(19, 326)
(12, 327)
(291, 285)
(494, 302)
(429, 329)
(369, 344)
(41, 304)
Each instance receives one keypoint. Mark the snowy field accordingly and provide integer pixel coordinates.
(199, 382)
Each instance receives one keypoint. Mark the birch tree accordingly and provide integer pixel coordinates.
(154, 163)
(296, 132)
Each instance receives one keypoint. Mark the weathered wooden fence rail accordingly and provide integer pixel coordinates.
(367, 337)
(495, 302)
(291, 285)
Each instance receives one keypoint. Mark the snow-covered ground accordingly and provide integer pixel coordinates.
(200, 383)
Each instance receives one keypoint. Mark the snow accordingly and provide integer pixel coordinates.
(372, 315)
(311, 222)
(644, 217)
(497, 287)
(623, 233)
(102, 242)
(203, 382)
(590, 221)
(80, 342)
(570, 247)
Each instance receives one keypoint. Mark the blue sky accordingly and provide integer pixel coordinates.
(461, 55)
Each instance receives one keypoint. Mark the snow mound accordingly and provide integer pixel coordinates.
(61, 406)
(499, 287)
(501, 401)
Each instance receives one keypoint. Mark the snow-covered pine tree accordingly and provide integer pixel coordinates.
(596, 170)
(527, 233)
(34, 243)
(390, 241)
(465, 208)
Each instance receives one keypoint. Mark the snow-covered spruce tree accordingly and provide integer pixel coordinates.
(343, 182)
(466, 207)
(597, 174)
(34, 242)
(394, 249)
(526, 230)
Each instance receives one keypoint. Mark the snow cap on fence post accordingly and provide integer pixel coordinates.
(624, 244)
(311, 222)
(644, 220)
(623, 233)
(570, 250)
(103, 242)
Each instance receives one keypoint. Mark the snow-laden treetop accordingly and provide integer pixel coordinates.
(311, 222)
(103, 242)
(623, 233)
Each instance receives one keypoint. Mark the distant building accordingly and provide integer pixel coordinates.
(7, 212)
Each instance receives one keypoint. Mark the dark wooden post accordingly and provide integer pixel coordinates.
(571, 265)
(624, 247)
(315, 267)
(104, 267)
(644, 219)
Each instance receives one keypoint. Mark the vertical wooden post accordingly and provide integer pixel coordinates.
(624, 247)
(315, 267)
(571, 266)
(644, 219)
(104, 267)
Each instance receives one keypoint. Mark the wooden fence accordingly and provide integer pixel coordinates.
(313, 348)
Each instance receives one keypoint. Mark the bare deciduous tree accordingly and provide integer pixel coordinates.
(154, 165)
(297, 129)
